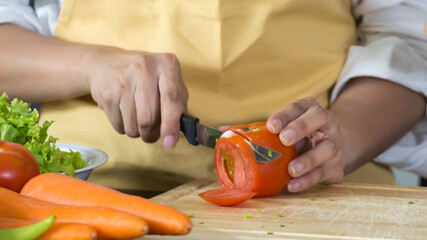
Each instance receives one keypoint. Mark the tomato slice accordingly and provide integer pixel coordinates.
(233, 165)
(227, 197)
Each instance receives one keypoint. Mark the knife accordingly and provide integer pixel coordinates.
(197, 133)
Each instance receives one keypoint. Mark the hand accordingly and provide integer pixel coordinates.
(142, 94)
(315, 131)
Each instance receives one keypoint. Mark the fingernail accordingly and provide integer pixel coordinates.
(296, 168)
(287, 137)
(293, 186)
(274, 125)
(169, 142)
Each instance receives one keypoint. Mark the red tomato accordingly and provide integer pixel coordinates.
(17, 165)
(235, 162)
(226, 197)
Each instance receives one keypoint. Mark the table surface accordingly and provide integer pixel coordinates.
(339, 211)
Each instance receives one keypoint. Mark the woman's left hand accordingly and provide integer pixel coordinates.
(316, 133)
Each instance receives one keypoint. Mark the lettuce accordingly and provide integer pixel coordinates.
(19, 123)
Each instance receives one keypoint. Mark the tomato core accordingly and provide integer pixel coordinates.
(229, 165)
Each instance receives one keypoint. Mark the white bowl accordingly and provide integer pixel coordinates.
(93, 157)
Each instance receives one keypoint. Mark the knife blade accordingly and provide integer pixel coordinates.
(197, 133)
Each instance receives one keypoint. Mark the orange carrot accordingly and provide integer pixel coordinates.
(63, 189)
(7, 223)
(69, 231)
(109, 223)
(58, 231)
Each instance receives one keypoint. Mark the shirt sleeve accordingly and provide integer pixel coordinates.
(21, 13)
(393, 47)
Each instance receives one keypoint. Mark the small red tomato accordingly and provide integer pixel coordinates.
(237, 168)
(17, 165)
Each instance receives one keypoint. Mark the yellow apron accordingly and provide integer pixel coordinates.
(242, 60)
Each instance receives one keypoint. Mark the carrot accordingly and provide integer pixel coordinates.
(109, 223)
(7, 223)
(63, 189)
(58, 231)
(69, 231)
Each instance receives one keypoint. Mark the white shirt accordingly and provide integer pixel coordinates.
(392, 47)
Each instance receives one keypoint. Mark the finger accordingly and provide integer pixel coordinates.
(147, 104)
(109, 102)
(224, 128)
(278, 121)
(306, 181)
(324, 151)
(128, 108)
(328, 173)
(312, 120)
(173, 99)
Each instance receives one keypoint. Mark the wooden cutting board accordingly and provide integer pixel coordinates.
(340, 211)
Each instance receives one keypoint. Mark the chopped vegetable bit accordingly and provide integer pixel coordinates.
(410, 202)
(312, 199)
(251, 129)
(270, 233)
(191, 215)
(278, 216)
(324, 184)
(201, 223)
(332, 200)
(282, 225)
(299, 215)
(258, 211)
(270, 154)
(246, 216)
(262, 227)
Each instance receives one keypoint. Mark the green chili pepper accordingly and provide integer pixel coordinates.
(29, 232)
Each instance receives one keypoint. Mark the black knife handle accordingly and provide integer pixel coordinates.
(189, 128)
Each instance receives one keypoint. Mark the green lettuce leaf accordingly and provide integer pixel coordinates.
(18, 123)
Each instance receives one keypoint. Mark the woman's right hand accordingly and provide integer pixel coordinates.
(142, 94)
